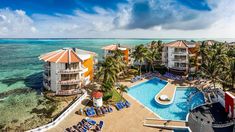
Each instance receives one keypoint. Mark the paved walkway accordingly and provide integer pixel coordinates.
(168, 90)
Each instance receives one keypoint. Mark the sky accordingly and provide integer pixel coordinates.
(117, 19)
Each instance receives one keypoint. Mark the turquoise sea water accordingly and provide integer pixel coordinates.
(178, 110)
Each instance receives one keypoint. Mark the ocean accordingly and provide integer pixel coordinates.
(21, 69)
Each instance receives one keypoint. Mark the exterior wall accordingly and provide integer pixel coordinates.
(126, 55)
(89, 63)
(170, 57)
(229, 104)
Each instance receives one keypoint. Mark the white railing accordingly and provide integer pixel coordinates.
(61, 117)
(70, 82)
(72, 71)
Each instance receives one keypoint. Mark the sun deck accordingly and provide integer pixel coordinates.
(169, 91)
(129, 119)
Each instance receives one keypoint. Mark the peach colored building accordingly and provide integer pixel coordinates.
(126, 51)
(176, 56)
(67, 70)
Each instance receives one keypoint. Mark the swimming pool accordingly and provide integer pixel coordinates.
(178, 110)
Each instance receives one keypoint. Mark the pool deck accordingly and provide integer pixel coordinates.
(129, 119)
(168, 90)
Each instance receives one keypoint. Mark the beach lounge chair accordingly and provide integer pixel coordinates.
(101, 124)
(99, 111)
(92, 122)
(123, 104)
(110, 109)
(127, 104)
(88, 113)
(118, 106)
(104, 110)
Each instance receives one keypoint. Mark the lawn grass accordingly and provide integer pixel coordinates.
(116, 96)
(112, 97)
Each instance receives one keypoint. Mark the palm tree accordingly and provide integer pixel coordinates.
(192, 63)
(213, 61)
(107, 86)
(228, 74)
(152, 56)
(108, 70)
(120, 63)
(122, 88)
(139, 55)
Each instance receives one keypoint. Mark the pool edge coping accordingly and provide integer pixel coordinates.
(172, 100)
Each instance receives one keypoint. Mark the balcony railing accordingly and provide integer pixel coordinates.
(70, 82)
(69, 92)
(179, 68)
(72, 71)
(178, 59)
(179, 52)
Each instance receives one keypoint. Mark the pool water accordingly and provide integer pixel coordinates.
(178, 110)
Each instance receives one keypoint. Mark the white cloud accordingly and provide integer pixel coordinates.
(15, 24)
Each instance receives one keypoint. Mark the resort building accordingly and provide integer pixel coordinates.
(181, 57)
(67, 70)
(108, 51)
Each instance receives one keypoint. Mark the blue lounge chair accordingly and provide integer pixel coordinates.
(127, 104)
(122, 104)
(92, 122)
(93, 111)
(110, 109)
(88, 112)
(101, 124)
(118, 106)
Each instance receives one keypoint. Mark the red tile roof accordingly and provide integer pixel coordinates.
(97, 94)
(110, 47)
(65, 55)
(178, 43)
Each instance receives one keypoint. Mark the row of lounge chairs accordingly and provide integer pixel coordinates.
(120, 105)
(172, 76)
(137, 78)
(86, 125)
(91, 111)
(149, 75)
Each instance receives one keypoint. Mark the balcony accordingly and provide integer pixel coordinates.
(180, 52)
(72, 71)
(179, 68)
(70, 82)
(180, 59)
(69, 92)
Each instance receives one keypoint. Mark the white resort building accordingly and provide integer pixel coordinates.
(181, 56)
(67, 70)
